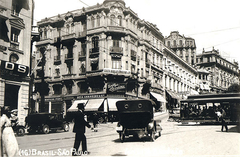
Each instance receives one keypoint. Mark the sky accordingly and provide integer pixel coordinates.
(212, 23)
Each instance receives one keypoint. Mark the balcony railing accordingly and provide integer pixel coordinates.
(94, 50)
(68, 36)
(57, 60)
(116, 50)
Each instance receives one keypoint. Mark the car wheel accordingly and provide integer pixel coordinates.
(66, 127)
(45, 129)
(153, 137)
(20, 132)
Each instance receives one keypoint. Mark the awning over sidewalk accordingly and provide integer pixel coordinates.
(93, 104)
(172, 94)
(158, 97)
(74, 108)
(112, 104)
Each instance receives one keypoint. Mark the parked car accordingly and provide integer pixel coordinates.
(46, 122)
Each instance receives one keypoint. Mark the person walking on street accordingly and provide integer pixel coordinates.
(224, 124)
(79, 128)
(95, 121)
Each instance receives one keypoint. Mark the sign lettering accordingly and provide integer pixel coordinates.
(14, 69)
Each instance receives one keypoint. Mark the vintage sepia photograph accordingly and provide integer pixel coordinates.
(119, 78)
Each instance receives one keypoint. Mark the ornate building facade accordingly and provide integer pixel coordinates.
(222, 73)
(185, 47)
(102, 54)
(15, 52)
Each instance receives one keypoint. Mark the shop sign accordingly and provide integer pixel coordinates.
(53, 99)
(91, 96)
(9, 68)
(116, 87)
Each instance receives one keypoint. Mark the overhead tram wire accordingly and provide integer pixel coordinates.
(225, 29)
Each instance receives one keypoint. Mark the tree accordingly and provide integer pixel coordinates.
(234, 88)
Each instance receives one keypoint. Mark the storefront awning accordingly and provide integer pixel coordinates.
(93, 104)
(172, 94)
(74, 108)
(158, 97)
(112, 104)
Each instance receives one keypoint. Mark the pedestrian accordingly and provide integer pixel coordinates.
(95, 121)
(79, 128)
(9, 145)
(222, 117)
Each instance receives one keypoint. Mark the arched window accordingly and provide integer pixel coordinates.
(119, 20)
(180, 42)
(112, 20)
(98, 21)
(174, 43)
(13, 58)
(93, 22)
(168, 43)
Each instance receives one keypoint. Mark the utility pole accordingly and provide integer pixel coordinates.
(137, 82)
(43, 83)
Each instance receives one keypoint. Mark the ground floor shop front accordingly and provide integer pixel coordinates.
(103, 104)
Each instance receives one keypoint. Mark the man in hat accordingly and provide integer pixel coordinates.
(79, 129)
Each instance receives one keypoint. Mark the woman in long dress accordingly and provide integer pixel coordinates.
(9, 145)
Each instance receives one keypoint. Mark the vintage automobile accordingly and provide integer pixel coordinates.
(136, 118)
(46, 122)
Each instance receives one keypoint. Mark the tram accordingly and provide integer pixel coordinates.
(204, 108)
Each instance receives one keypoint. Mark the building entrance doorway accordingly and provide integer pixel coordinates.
(11, 96)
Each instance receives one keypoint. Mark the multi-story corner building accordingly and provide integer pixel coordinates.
(180, 77)
(222, 73)
(15, 46)
(98, 55)
(185, 47)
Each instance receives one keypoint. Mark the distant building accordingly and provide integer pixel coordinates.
(222, 73)
(15, 50)
(185, 47)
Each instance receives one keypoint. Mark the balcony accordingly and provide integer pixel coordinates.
(44, 42)
(57, 60)
(117, 29)
(82, 55)
(116, 50)
(68, 37)
(69, 58)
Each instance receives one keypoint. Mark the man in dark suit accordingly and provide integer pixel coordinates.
(79, 129)
(224, 124)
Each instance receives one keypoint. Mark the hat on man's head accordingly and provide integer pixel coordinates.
(80, 106)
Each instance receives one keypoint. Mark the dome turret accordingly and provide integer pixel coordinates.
(109, 1)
